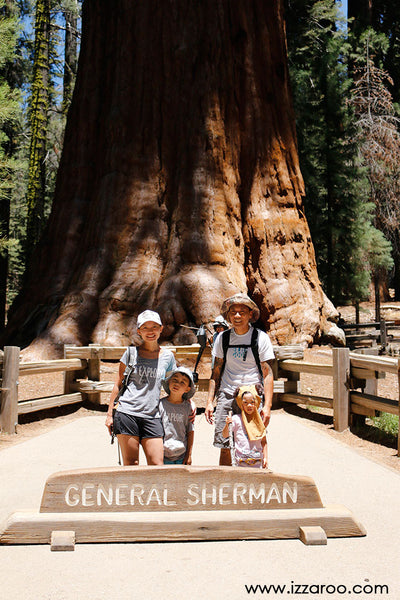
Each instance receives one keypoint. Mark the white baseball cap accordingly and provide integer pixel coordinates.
(148, 315)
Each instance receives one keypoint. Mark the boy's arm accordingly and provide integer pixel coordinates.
(188, 456)
(268, 381)
(213, 385)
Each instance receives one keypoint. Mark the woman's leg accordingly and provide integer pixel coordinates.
(154, 450)
(129, 445)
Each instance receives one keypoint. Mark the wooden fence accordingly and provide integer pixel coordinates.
(380, 333)
(81, 368)
(354, 377)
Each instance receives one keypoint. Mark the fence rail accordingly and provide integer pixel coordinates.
(380, 333)
(354, 377)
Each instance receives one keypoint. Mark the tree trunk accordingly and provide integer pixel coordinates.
(70, 54)
(179, 182)
(362, 13)
(4, 232)
(38, 121)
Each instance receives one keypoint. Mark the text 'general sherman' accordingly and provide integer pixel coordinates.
(203, 496)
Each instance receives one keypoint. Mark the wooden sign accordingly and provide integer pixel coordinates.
(175, 489)
(131, 504)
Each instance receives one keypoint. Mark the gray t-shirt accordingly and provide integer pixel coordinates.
(142, 396)
(241, 367)
(177, 420)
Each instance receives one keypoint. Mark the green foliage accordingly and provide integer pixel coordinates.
(38, 129)
(339, 216)
(10, 130)
(384, 17)
(39, 106)
(378, 141)
(387, 423)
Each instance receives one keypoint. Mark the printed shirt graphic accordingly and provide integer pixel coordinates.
(142, 396)
(177, 420)
(238, 371)
(244, 448)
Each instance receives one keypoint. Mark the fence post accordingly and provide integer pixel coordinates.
(383, 332)
(341, 396)
(9, 392)
(275, 398)
(71, 376)
(398, 391)
(94, 370)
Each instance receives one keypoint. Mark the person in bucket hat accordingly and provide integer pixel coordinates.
(219, 325)
(242, 356)
(243, 300)
(178, 412)
(185, 371)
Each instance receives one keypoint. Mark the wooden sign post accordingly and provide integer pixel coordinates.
(132, 504)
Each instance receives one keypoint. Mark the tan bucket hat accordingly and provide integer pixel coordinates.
(241, 299)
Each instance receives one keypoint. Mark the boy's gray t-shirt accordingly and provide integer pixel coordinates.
(177, 420)
(142, 396)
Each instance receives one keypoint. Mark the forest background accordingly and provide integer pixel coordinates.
(345, 79)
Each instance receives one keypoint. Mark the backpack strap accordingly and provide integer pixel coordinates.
(254, 348)
(226, 335)
(132, 356)
(132, 360)
(253, 345)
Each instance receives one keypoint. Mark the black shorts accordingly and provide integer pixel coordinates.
(138, 426)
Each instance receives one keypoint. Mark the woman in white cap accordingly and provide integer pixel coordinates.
(137, 418)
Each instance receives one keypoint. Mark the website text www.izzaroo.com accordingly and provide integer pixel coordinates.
(293, 588)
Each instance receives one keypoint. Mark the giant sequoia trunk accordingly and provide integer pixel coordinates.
(179, 182)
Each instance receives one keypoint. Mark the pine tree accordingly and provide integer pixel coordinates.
(378, 141)
(39, 150)
(71, 13)
(39, 105)
(10, 115)
(383, 16)
(340, 219)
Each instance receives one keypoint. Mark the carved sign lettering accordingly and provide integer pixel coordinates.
(178, 488)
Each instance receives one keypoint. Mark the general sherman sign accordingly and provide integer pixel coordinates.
(173, 503)
(175, 489)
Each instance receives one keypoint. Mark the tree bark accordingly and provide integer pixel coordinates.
(70, 54)
(179, 182)
(38, 120)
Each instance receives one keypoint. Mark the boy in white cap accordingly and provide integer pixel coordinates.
(178, 412)
(242, 357)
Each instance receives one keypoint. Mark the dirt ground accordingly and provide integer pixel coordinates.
(385, 452)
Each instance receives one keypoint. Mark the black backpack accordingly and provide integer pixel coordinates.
(253, 345)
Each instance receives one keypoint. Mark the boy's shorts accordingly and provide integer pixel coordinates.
(174, 461)
(224, 405)
(137, 426)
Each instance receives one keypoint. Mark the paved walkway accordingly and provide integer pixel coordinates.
(209, 570)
